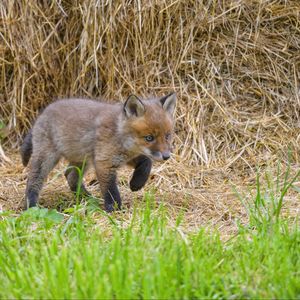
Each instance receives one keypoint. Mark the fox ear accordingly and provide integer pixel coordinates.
(133, 107)
(168, 103)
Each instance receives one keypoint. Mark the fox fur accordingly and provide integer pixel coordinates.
(106, 136)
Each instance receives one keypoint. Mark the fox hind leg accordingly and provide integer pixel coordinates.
(142, 168)
(72, 176)
(40, 167)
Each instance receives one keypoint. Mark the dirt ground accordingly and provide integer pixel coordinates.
(214, 204)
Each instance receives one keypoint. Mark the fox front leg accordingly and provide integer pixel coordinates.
(107, 178)
(142, 168)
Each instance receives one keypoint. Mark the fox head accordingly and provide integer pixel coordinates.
(149, 126)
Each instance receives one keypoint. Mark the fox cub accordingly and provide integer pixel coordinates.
(104, 135)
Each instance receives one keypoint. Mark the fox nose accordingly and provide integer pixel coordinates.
(166, 156)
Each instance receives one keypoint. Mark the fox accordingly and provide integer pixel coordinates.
(104, 135)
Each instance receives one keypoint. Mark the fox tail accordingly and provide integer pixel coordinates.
(26, 148)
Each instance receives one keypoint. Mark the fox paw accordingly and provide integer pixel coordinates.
(136, 185)
(110, 207)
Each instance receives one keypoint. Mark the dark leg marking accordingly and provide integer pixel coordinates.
(141, 173)
(32, 198)
(112, 198)
(39, 170)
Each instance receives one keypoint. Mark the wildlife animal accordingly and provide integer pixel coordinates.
(106, 136)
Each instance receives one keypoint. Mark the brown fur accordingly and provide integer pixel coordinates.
(104, 135)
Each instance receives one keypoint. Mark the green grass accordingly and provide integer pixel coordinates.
(44, 254)
(47, 254)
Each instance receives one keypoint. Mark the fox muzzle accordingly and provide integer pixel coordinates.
(157, 155)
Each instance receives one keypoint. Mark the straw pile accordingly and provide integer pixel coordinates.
(235, 66)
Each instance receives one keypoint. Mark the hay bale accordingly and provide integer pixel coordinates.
(234, 65)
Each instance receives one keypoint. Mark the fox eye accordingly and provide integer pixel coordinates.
(167, 136)
(149, 138)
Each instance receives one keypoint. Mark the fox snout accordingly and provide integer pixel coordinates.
(157, 155)
(166, 155)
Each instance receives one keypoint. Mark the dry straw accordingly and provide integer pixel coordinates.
(234, 65)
